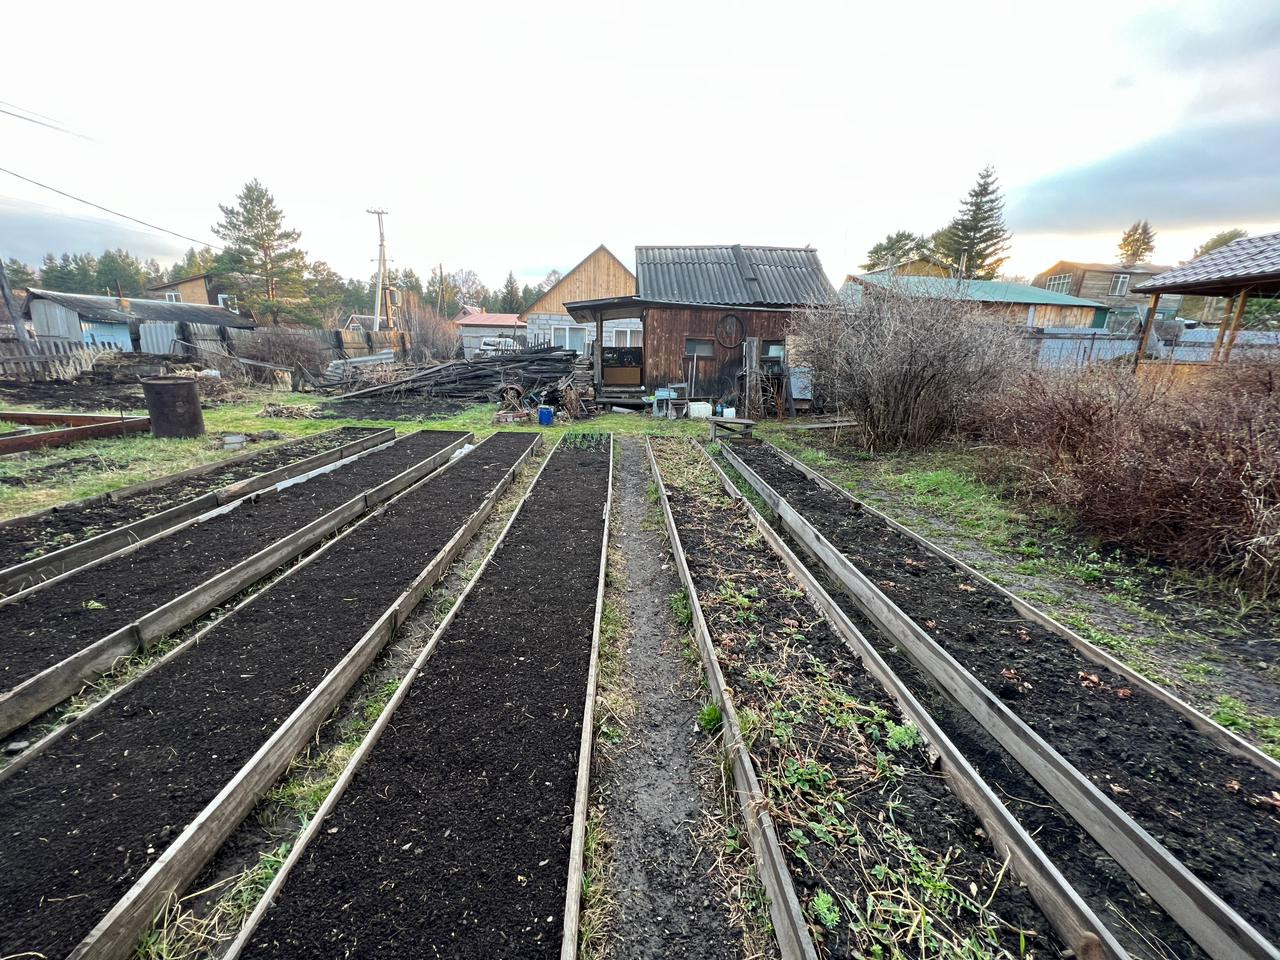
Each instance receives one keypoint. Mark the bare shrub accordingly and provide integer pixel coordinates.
(431, 335)
(906, 369)
(1190, 475)
(284, 348)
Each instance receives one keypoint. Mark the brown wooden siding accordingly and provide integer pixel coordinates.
(600, 275)
(667, 328)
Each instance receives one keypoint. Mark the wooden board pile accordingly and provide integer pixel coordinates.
(552, 375)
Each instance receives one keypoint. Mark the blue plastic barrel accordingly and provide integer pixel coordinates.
(546, 415)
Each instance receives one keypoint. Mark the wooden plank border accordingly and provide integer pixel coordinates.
(43, 568)
(1076, 922)
(49, 687)
(371, 738)
(581, 799)
(789, 925)
(89, 430)
(1229, 741)
(1211, 922)
(115, 936)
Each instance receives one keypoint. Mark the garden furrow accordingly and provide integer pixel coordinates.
(26, 537)
(883, 858)
(129, 599)
(1213, 810)
(459, 825)
(134, 795)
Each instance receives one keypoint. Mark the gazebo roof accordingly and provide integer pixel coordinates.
(1251, 264)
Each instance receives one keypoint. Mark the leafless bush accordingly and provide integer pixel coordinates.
(284, 348)
(1190, 475)
(431, 336)
(906, 369)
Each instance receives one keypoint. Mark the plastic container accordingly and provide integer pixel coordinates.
(699, 410)
(730, 413)
(173, 403)
(546, 415)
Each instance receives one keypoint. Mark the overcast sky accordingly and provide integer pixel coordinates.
(521, 135)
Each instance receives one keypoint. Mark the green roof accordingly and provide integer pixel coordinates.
(983, 291)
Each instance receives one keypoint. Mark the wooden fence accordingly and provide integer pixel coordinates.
(49, 359)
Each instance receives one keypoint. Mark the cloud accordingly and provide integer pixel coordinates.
(1210, 174)
(30, 230)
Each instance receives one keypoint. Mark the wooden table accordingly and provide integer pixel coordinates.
(730, 427)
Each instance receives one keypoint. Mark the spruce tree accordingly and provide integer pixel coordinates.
(1137, 243)
(260, 258)
(511, 301)
(974, 243)
(21, 275)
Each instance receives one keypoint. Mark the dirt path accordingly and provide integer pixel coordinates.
(666, 905)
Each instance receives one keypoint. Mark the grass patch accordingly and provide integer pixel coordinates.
(1233, 714)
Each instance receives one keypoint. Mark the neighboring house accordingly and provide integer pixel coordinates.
(921, 266)
(600, 275)
(475, 327)
(466, 310)
(697, 306)
(114, 321)
(1020, 303)
(202, 288)
(1111, 284)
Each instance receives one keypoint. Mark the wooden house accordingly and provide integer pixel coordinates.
(697, 307)
(599, 276)
(203, 288)
(1018, 303)
(1110, 284)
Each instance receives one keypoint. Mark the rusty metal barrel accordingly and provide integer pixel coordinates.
(173, 403)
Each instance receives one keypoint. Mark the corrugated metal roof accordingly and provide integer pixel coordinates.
(731, 275)
(490, 320)
(982, 291)
(114, 310)
(1249, 258)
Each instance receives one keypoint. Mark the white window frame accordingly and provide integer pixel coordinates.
(1120, 285)
(625, 337)
(563, 330)
(173, 296)
(1061, 283)
(229, 301)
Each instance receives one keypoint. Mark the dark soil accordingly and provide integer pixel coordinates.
(1207, 807)
(32, 536)
(53, 623)
(40, 475)
(453, 838)
(413, 406)
(91, 393)
(652, 785)
(775, 652)
(82, 820)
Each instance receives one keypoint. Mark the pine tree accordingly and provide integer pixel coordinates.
(897, 247)
(120, 272)
(974, 243)
(260, 258)
(1137, 243)
(1217, 241)
(510, 300)
(21, 275)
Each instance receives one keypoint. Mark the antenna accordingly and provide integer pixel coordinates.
(382, 269)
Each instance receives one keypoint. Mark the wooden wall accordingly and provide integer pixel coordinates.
(665, 331)
(600, 275)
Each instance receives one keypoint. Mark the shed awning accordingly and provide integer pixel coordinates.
(1249, 265)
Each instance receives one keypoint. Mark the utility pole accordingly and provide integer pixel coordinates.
(11, 306)
(382, 269)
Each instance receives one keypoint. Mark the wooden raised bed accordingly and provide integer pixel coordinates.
(80, 426)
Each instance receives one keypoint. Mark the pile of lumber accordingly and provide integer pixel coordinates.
(549, 375)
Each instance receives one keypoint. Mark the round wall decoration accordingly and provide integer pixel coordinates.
(729, 332)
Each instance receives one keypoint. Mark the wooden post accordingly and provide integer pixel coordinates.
(1238, 319)
(1222, 329)
(19, 326)
(1146, 331)
(599, 353)
(751, 366)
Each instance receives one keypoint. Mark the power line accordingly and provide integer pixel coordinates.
(41, 123)
(114, 213)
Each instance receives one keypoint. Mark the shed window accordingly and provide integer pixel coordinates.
(699, 348)
(1119, 284)
(1059, 284)
(173, 296)
(775, 348)
(227, 301)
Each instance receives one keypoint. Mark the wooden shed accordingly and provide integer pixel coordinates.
(698, 306)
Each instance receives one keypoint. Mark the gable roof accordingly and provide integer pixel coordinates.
(114, 310)
(174, 283)
(1131, 268)
(733, 275)
(979, 291)
(1249, 261)
(563, 290)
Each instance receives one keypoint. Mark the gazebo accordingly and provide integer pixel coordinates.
(1247, 268)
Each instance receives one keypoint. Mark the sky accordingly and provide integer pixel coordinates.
(519, 136)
